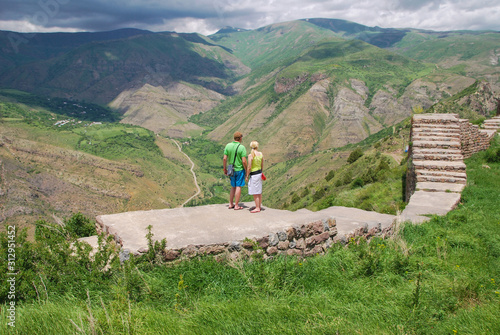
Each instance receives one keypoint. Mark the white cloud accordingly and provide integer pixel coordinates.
(207, 16)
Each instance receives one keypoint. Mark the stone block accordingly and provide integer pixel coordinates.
(283, 245)
(263, 242)
(272, 251)
(190, 251)
(290, 232)
(314, 251)
(171, 255)
(273, 240)
(301, 244)
(282, 236)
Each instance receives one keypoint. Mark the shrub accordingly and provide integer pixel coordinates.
(80, 226)
(330, 175)
(492, 155)
(320, 193)
(358, 182)
(355, 155)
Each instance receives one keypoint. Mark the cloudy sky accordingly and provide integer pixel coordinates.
(207, 16)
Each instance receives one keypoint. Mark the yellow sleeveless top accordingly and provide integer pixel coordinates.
(256, 163)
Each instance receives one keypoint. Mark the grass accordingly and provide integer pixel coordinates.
(440, 277)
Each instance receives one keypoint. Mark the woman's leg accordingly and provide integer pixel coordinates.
(258, 200)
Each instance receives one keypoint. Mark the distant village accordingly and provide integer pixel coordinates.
(72, 122)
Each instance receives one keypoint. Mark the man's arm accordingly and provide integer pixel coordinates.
(224, 163)
(244, 161)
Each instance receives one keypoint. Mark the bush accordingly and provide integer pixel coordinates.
(492, 155)
(330, 175)
(80, 226)
(358, 182)
(319, 194)
(355, 155)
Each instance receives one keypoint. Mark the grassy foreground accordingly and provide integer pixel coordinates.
(441, 277)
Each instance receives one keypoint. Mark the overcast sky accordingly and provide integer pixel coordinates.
(207, 16)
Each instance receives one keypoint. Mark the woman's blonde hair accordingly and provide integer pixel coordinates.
(254, 145)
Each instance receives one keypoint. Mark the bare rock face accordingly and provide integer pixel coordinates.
(283, 85)
(483, 101)
(350, 120)
(165, 110)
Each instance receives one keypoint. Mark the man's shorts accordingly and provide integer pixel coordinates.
(238, 180)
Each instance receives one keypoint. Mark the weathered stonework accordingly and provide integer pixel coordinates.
(473, 139)
(302, 240)
(438, 145)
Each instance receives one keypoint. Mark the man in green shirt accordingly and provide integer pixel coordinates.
(235, 152)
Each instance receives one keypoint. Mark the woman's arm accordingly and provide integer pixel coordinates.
(250, 158)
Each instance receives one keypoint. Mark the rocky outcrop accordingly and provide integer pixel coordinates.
(483, 101)
(283, 85)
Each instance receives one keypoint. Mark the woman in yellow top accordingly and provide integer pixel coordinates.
(254, 173)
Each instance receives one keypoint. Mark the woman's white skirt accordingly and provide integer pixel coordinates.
(255, 184)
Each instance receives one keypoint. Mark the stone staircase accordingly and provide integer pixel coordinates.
(437, 155)
(492, 124)
(436, 173)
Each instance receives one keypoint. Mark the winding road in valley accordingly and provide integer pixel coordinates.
(192, 171)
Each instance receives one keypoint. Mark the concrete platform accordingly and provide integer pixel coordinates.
(429, 203)
(215, 224)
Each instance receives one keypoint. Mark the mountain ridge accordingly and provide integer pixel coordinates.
(329, 65)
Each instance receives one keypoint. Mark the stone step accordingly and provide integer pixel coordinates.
(437, 157)
(438, 138)
(494, 120)
(449, 126)
(437, 151)
(455, 174)
(452, 132)
(437, 144)
(456, 166)
(440, 187)
(441, 179)
(435, 118)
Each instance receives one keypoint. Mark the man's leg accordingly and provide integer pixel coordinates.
(237, 200)
(240, 182)
(231, 197)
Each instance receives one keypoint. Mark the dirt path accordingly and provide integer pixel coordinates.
(192, 171)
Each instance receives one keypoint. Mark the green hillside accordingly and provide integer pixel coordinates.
(473, 54)
(272, 44)
(98, 71)
(322, 99)
(54, 165)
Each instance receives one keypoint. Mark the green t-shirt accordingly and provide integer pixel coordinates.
(229, 152)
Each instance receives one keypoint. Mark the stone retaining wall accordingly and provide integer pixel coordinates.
(300, 240)
(472, 138)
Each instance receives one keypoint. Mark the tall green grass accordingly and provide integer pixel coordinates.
(440, 277)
